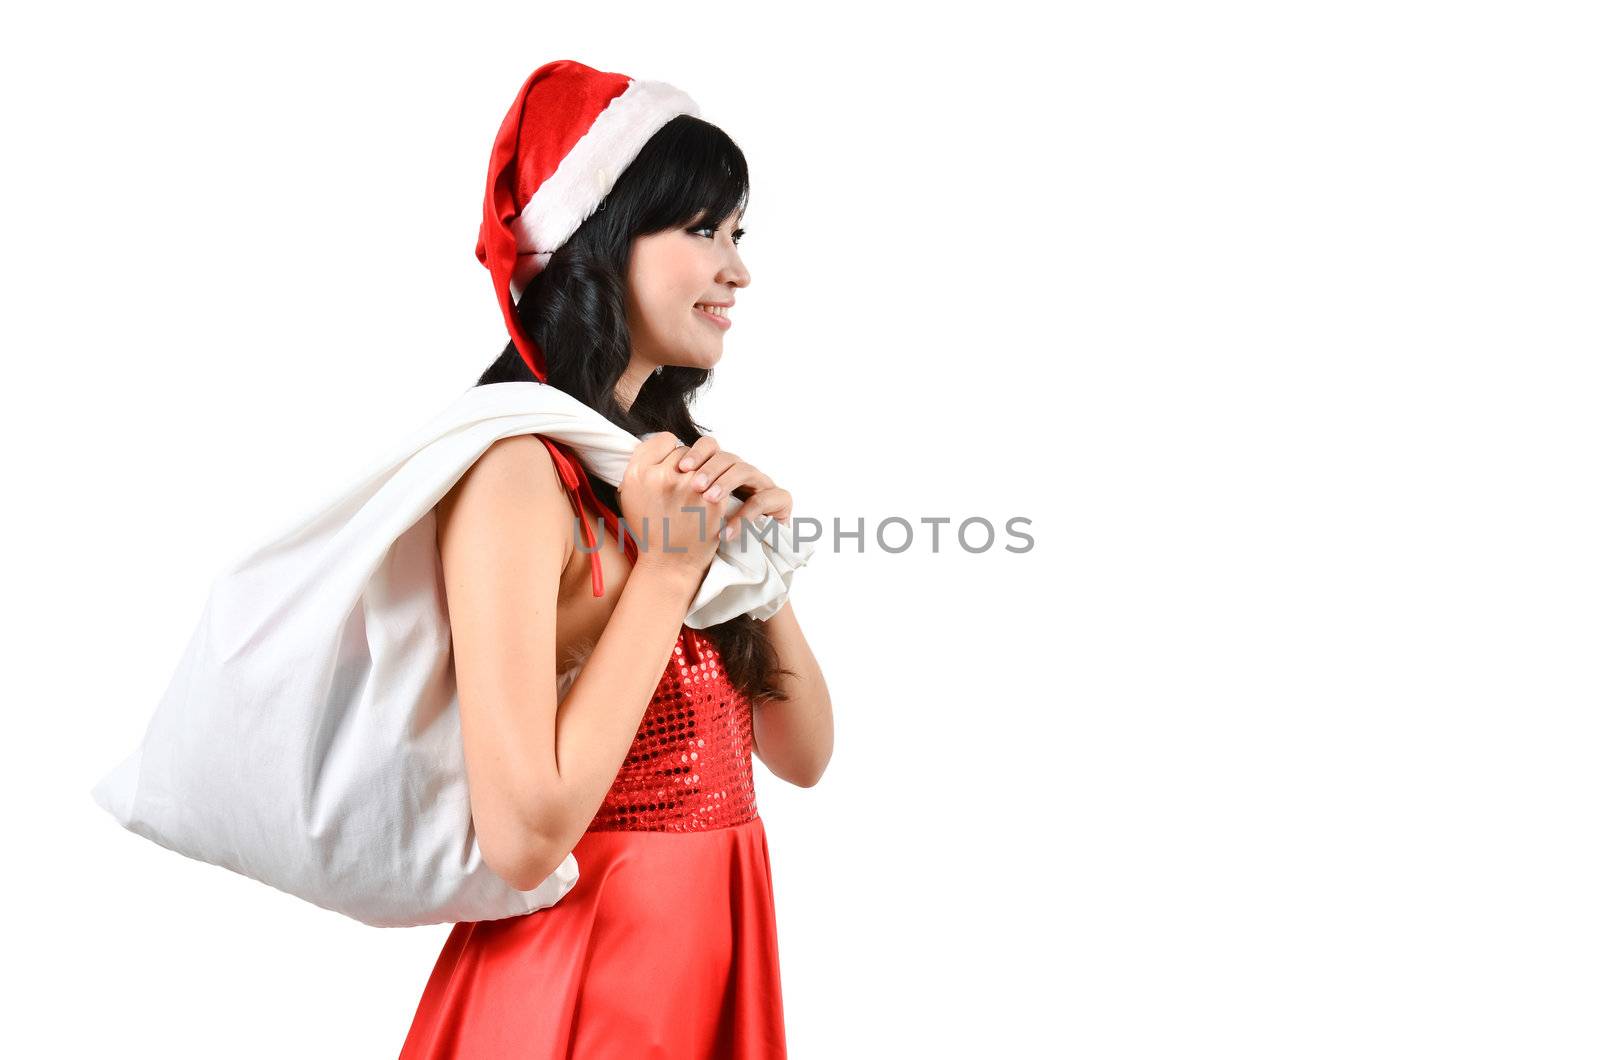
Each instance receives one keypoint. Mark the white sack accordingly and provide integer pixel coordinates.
(310, 737)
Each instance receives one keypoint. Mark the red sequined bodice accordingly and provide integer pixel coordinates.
(689, 767)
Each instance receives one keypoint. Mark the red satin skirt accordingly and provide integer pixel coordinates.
(666, 947)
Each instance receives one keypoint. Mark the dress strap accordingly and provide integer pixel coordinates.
(576, 481)
(693, 642)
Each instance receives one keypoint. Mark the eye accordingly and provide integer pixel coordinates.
(738, 233)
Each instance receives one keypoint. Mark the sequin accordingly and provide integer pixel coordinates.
(689, 768)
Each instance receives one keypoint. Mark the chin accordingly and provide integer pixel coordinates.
(704, 362)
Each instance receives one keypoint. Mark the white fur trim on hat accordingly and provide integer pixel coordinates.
(589, 171)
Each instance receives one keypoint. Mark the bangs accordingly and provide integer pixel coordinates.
(691, 171)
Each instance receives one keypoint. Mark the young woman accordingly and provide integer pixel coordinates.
(594, 721)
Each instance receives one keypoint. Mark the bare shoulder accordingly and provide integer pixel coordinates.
(514, 483)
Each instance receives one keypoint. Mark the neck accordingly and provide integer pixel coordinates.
(632, 381)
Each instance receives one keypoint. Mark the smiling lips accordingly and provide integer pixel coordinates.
(714, 316)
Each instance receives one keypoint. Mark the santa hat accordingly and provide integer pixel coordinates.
(570, 133)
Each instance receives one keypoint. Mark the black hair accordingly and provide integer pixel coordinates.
(575, 310)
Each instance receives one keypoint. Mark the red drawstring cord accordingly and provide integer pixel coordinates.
(576, 481)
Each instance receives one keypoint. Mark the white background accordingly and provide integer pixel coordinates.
(1278, 321)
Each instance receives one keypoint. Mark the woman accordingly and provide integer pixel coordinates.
(593, 720)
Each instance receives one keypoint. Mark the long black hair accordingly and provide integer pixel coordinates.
(575, 310)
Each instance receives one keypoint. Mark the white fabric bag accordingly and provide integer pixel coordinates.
(310, 738)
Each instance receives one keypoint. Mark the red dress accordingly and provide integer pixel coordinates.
(667, 945)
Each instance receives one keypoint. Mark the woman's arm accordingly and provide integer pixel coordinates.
(794, 737)
(536, 776)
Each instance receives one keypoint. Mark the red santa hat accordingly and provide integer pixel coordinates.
(570, 133)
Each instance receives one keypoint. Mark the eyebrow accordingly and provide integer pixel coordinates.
(704, 217)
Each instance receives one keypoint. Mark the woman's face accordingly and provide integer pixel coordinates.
(671, 273)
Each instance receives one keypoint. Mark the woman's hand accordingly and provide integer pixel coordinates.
(719, 474)
(659, 503)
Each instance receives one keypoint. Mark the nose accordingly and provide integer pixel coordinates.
(733, 271)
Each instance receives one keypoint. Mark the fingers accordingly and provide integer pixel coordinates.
(772, 501)
(698, 453)
(661, 450)
(683, 457)
(710, 470)
(651, 452)
(719, 476)
(654, 448)
(738, 475)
